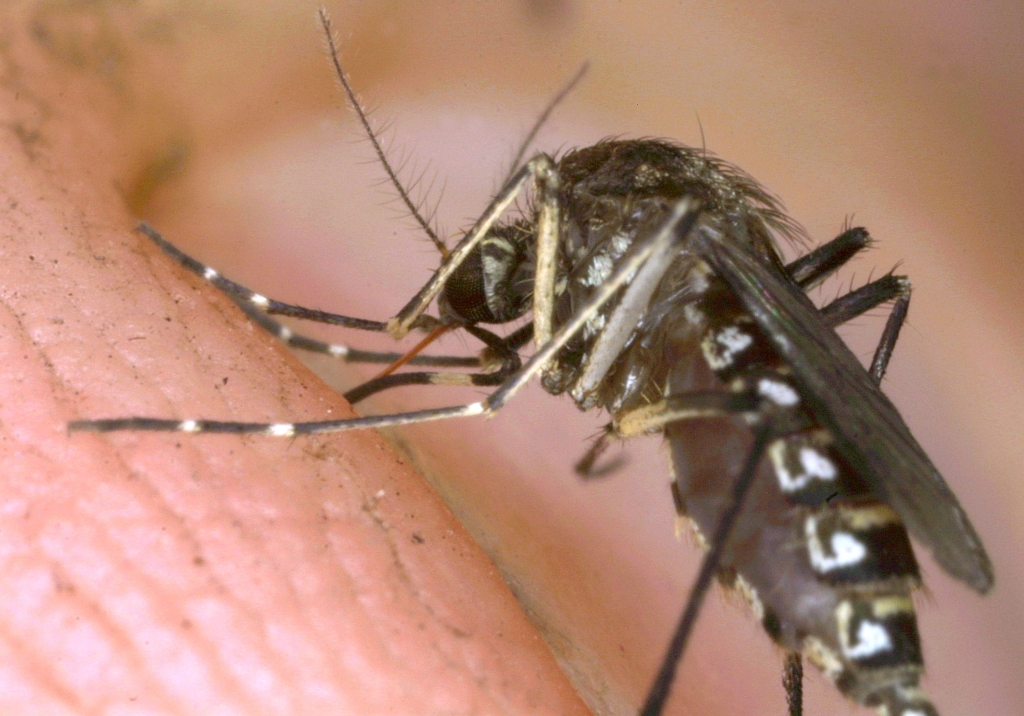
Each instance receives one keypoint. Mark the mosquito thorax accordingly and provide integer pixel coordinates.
(611, 194)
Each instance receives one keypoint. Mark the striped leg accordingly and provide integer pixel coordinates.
(501, 353)
(257, 307)
(243, 295)
(676, 228)
(345, 353)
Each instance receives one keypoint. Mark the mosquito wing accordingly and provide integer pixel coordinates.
(865, 425)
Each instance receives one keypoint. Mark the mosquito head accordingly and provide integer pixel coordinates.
(495, 282)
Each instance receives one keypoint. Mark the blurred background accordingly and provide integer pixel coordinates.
(908, 118)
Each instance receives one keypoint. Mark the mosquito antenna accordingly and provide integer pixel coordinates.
(353, 100)
(544, 118)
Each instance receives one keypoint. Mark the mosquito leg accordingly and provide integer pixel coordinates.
(547, 254)
(650, 418)
(282, 430)
(793, 683)
(256, 307)
(243, 295)
(514, 341)
(346, 353)
(585, 466)
(498, 347)
(680, 506)
(622, 322)
(540, 166)
(662, 686)
(687, 406)
(694, 405)
(890, 335)
(862, 300)
(676, 228)
(397, 380)
(811, 269)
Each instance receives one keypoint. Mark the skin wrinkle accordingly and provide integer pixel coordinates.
(28, 657)
(101, 617)
(215, 667)
(390, 537)
(128, 646)
(71, 589)
(122, 644)
(248, 610)
(277, 569)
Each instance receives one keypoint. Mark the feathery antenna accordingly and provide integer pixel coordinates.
(363, 120)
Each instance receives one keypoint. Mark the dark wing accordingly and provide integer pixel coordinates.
(866, 425)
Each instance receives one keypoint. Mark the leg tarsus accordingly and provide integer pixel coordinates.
(675, 229)
(376, 385)
(793, 682)
(891, 334)
(508, 363)
(241, 294)
(811, 269)
(857, 303)
(693, 405)
(343, 352)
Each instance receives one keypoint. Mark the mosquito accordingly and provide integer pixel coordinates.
(655, 288)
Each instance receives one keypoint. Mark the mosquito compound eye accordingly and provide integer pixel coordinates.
(494, 282)
(465, 293)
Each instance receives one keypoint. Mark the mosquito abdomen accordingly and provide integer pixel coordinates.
(825, 564)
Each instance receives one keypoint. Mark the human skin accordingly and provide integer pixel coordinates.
(895, 121)
(146, 574)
